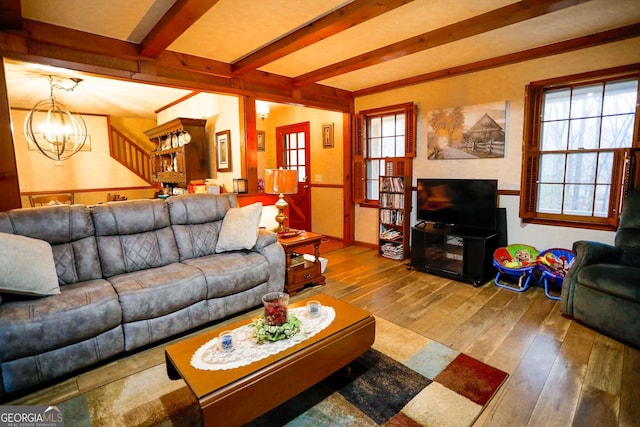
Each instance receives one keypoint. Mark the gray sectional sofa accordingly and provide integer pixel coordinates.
(128, 274)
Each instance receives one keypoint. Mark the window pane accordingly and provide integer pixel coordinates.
(578, 200)
(556, 105)
(292, 158)
(620, 97)
(400, 124)
(550, 198)
(601, 208)
(375, 147)
(617, 131)
(586, 101)
(605, 165)
(301, 159)
(286, 142)
(373, 191)
(581, 168)
(293, 141)
(552, 168)
(373, 169)
(554, 135)
(585, 134)
(375, 127)
(301, 140)
(302, 174)
(388, 147)
(399, 146)
(389, 125)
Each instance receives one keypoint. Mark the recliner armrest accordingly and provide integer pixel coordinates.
(586, 253)
(265, 238)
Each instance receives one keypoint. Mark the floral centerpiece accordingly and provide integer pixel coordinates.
(276, 323)
(265, 332)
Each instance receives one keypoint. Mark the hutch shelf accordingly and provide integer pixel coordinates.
(181, 155)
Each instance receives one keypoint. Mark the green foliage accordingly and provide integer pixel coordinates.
(266, 332)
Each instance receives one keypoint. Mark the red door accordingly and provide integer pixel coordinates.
(293, 153)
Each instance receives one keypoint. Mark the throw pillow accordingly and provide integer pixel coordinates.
(27, 266)
(239, 228)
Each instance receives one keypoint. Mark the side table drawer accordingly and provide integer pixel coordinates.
(304, 274)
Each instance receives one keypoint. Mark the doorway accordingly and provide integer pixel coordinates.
(293, 153)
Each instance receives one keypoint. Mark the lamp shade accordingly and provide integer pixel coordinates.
(281, 181)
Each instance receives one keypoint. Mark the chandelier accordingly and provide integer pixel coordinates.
(57, 132)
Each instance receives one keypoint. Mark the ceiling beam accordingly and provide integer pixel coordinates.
(173, 24)
(338, 20)
(66, 48)
(11, 14)
(591, 40)
(498, 18)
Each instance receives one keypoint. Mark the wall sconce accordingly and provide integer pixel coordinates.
(57, 132)
(240, 185)
(262, 109)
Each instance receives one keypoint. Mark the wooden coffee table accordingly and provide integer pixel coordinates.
(237, 396)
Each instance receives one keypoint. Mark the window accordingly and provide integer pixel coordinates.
(578, 146)
(383, 139)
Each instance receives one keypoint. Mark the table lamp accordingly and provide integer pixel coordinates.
(281, 181)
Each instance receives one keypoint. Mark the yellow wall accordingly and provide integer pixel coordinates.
(89, 169)
(501, 84)
(327, 211)
(222, 112)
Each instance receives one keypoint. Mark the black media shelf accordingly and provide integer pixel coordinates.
(464, 254)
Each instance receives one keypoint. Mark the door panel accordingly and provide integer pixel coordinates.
(293, 153)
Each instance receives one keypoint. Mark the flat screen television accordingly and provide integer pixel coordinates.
(458, 202)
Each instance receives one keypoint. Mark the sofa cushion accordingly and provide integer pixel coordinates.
(27, 266)
(613, 279)
(81, 311)
(231, 272)
(70, 232)
(153, 293)
(200, 208)
(240, 228)
(134, 235)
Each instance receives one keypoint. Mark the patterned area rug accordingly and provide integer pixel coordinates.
(405, 380)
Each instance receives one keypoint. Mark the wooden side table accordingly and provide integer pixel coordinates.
(308, 271)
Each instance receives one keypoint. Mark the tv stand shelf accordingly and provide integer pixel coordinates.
(464, 254)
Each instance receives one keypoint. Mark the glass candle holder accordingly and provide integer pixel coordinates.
(226, 341)
(313, 308)
(275, 308)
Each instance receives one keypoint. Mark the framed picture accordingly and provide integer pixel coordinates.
(223, 151)
(260, 139)
(469, 132)
(327, 135)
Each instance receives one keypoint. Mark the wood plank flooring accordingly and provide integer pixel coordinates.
(561, 373)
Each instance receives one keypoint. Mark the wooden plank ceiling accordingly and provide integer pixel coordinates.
(318, 53)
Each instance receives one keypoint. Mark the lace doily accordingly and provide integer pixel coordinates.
(209, 358)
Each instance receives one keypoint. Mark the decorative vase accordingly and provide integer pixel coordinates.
(275, 308)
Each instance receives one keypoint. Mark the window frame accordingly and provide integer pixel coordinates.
(624, 174)
(401, 165)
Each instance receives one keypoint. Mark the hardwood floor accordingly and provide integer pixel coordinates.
(561, 373)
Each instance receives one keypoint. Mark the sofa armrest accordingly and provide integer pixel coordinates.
(267, 245)
(265, 238)
(586, 253)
